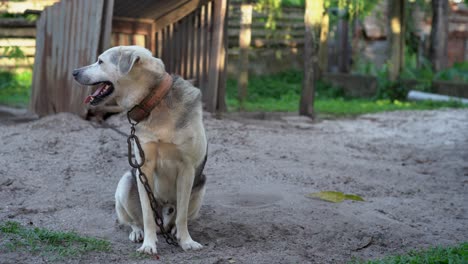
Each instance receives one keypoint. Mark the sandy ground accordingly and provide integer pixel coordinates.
(60, 172)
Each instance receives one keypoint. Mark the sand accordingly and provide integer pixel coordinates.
(60, 172)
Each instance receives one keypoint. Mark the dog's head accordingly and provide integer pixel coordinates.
(120, 72)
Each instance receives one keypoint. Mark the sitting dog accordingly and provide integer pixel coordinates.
(172, 135)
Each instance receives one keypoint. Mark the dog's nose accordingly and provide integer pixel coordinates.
(75, 72)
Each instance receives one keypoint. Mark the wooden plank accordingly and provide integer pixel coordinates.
(21, 42)
(57, 53)
(198, 49)
(184, 48)
(176, 42)
(216, 55)
(48, 57)
(21, 6)
(152, 40)
(131, 27)
(206, 46)
(191, 59)
(178, 13)
(35, 99)
(106, 26)
(17, 32)
(171, 46)
(68, 49)
(222, 82)
(16, 23)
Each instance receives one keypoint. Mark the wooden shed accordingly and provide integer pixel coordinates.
(188, 35)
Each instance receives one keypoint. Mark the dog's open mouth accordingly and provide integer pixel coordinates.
(104, 90)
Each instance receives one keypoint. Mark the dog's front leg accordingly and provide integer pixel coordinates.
(185, 179)
(149, 226)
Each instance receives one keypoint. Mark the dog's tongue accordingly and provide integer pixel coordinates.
(89, 98)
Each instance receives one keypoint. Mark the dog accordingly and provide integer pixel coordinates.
(172, 136)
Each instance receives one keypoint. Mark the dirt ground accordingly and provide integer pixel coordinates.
(60, 172)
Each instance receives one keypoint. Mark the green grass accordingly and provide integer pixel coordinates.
(281, 93)
(51, 244)
(15, 88)
(438, 255)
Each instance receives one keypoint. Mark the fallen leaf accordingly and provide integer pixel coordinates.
(335, 197)
(330, 196)
(353, 197)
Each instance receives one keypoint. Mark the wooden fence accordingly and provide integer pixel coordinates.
(191, 42)
(184, 46)
(285, 38)
(70, 34)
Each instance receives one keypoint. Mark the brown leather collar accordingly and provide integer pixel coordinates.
(142, 110)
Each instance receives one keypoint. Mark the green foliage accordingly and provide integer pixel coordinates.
(412, 76)
(438, 255)
(281, 92)
(53, 244)
(29, 17)
(13, 52)
(458, 72)
(15, 88)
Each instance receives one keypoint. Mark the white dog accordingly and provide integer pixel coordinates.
(172, 136)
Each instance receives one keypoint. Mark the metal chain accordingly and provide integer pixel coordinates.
(155, 206)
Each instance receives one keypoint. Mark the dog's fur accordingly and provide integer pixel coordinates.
(173, 139)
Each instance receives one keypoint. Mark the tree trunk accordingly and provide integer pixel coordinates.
(312, 20)
(439, 34)
(323, 48)
(397, 38)
(343, 41)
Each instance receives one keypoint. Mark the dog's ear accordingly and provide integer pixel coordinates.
(127, 61)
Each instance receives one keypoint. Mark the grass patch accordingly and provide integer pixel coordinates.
(52, 244)
(437, 255)
(281, 93)
(15, 88)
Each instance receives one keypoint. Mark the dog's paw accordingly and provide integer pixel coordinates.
(136, 236)
(190, 245)
(148, 248)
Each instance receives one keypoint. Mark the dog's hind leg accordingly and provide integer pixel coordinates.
(196, 199)
(128, 207)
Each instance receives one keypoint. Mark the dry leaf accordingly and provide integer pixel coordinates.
(335, 197)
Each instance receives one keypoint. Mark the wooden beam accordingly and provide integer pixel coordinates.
(131, 27)
(222, 82)
(217, 58)
(17, 32)
(16, 23)
(178, 13)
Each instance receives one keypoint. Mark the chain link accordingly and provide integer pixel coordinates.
(155, 206)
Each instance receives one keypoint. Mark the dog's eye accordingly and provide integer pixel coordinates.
(99, 61)
(171, 210)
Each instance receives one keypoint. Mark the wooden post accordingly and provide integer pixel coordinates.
(217, 58)
(222, 82)
(439, 34)
(245, 35)
(397, 38)
(312, 20)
